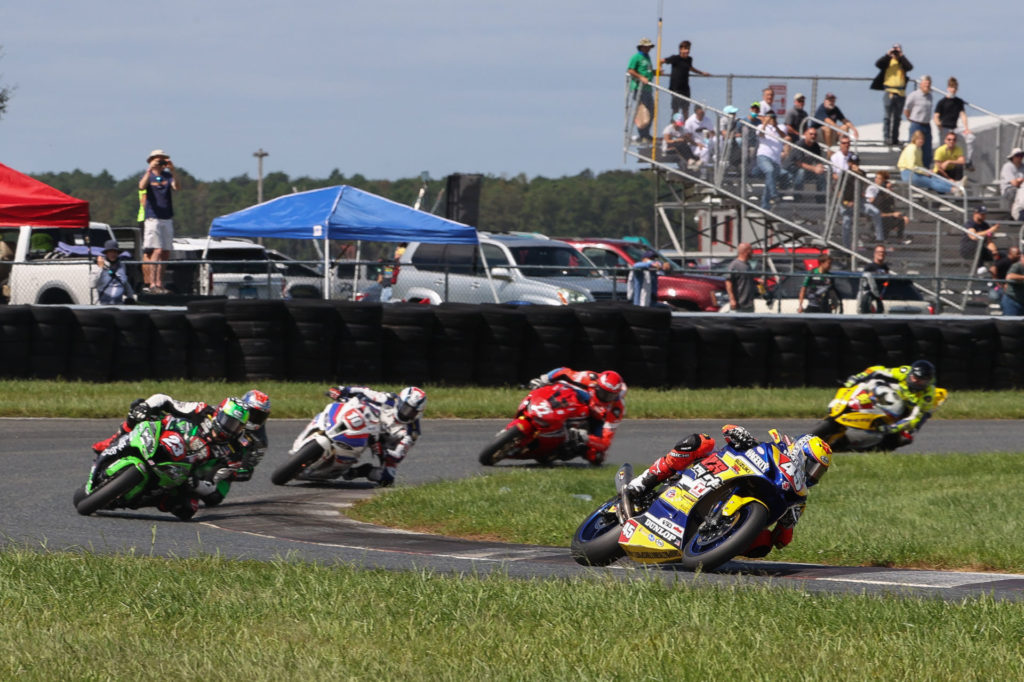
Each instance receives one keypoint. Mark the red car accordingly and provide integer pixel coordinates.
(679, 288)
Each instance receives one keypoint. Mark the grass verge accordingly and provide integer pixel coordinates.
(937, 511)
(80, 616)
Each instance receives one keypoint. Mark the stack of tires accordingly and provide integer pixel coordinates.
(749, 366)
(134, 335)
(826, 363)
(408, 333)
(598, 344)
(256, 330)
(683, 353)
(360, 355)
(16, 325)
(312, 340)
(787, 355)
(500, 345)
(51, 341)
(551, 333)
(1007, 368)
(453, 357)
(170, 345)
(92, 345)
(207, 340)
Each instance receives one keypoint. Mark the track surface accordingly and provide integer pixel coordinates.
(45, 460)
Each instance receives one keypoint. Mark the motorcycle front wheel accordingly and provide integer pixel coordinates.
(718, 538)
(307, 454)
(119, 485)
(596, 541)
(501, 447)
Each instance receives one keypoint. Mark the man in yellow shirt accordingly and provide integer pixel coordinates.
(892, 67)
(949, 159)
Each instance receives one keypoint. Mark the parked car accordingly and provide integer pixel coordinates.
(679, 288)
(236, 268)
(899, 295)
(523, 269)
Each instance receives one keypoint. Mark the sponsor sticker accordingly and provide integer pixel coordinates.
(659, 530)
(756, 459)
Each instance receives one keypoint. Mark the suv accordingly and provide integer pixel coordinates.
(523, 269)
(678, 288)
(237, 278)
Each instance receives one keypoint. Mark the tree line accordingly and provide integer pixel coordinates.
(608, 204)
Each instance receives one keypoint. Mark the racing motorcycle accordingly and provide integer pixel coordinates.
(702, 517)
(157, 464)
(858, 416)
(332, 442)
(550, 424)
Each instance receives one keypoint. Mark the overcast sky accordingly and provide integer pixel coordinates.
(392, 88)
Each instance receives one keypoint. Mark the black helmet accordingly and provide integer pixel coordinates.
(921, 376)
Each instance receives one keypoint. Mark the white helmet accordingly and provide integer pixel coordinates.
(410, 404)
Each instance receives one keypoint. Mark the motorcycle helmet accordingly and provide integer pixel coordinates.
(410, 404)
(229, 420)
(258, 404)
(609, 387)
(817, 456)
(921, 376)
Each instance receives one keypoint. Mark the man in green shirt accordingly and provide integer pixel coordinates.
(642, 71)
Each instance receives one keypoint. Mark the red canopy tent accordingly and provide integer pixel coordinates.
(26, 201)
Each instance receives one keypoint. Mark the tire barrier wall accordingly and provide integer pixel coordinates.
(497, 345)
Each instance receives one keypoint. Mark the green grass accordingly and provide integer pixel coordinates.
(938, 511)
(36, 398)
(73, 616)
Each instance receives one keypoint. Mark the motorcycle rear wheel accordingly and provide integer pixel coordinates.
(119, 485)
(500, 447)
(307, 454)
(717, 539)
(596, 541)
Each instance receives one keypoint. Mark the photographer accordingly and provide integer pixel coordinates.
(892, 67)
(111, 282)
(158, 182)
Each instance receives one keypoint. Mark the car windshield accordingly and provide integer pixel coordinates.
(253, 261)
(552, 261)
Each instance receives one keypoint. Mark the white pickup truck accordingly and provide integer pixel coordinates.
(50, 265)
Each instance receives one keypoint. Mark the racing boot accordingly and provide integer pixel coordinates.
(361, 471)
(182, 507)
(594, 457)
(642, 483)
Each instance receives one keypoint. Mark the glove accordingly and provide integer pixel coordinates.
(738, 437)
(578, 438)
(139, 411)
(536, 383)
(204, 488)
(889, 428)
(337, 392)
(224, 474)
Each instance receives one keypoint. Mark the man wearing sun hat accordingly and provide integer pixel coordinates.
(111, 282)
(642, 72)
(158, 182)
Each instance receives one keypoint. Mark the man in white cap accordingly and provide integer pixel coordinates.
(158, 182)
(1012, 175)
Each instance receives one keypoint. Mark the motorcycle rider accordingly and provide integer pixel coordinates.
(258, 404)
(399, 428)
(815, 454)
(607, 407)
(915, 384)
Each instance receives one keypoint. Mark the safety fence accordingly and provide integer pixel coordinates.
(493, 345)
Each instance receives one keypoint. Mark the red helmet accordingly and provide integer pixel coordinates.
(609, 387)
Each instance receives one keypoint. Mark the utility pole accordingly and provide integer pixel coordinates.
(259, 154)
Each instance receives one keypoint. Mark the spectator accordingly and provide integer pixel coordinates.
(949, 159)
(832, 115)
(1011, 176)
(698, 126)
(770, 150)
(674, 140)
(740, 283)
(912, 169)
(679, 80)
(159, 182)
(886, 205)
(640, 69)
(1012, 301)
(388, 275)
(893, 68)
(642, 284)
(767, 100)
(852, 185)
(805, 164)
(1017, 207)
(869, 298)
(795, 118)
(819, 288)
(978, 230)
(839, 157)
(919, 112)
(1003, 263)
(111, 282)
(878, 263)
(948, 112)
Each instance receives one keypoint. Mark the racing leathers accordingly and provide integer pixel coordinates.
(603, 417)
(395, 440)
(923, 402)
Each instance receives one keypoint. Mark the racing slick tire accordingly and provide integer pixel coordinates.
(119, 485)
(596, 541)
(307, 454)
(500, 447)
(712, 545)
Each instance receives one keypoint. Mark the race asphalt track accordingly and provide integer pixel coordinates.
(45, 460)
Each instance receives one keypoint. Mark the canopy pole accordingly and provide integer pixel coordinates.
(355, 268)
(487, 271)
(327, 267)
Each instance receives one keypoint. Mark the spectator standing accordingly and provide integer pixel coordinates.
(642, 284)
(640, 69)
(893, 68)
(819, 289)
(949, 112)
(388, 275)
(159, 183)
(1012, 301)
(853, 184)
(949, 159)
(795, 118)
(770, 150)
(869, 298)
(878, 264)
(913, 172)
(679, 80)
(111, 282)
(805, 164)
(1011, 176)
(886, 205)
(978, 229)
(831, 114)
(919, 112)
(740, 283)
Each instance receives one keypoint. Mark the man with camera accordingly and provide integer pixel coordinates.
(892, 67)
(111, 282)
(158, 182)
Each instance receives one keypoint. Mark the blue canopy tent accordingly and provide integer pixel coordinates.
(341, 212)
